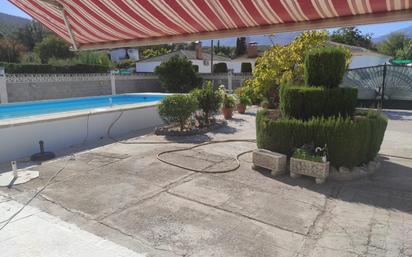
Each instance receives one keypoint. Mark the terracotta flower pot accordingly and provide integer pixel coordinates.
(227, 112)
(241, 108)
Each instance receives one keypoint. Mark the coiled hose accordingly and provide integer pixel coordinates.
(158, 156)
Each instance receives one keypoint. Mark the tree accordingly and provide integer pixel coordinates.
(177, 75)
(405, 53)
(52, 47)
(31, 34)
(284, 64)
(352, 36)
(394, 43)
(10, 50)
(240, 46)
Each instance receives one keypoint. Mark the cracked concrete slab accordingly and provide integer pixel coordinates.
(273, 207)
(97, 195)
(188, 228)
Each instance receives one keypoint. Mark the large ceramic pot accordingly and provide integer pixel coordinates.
(241, 108)
(227, 112)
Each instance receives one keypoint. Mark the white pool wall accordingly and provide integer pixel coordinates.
(20, 138)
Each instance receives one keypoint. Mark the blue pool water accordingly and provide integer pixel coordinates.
(16, 110)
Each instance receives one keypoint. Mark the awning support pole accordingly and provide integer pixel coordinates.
(69, 29)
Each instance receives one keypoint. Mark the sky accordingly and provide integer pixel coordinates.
(377, 29)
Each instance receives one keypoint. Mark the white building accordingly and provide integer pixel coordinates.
(198, 58)
(362, 57)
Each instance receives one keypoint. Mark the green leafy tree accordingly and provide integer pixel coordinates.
(10, 50)
(31, 34)
(352, 36)
(240, 46)
(94, 58)
(52, 47)
(177, 75)
(394, 43)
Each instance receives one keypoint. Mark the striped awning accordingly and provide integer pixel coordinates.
(93, 24)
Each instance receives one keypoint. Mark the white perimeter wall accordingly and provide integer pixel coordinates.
(23, 140)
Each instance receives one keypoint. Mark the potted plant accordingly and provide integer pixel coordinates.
(310, 161)
(243, 102)
(228, 105)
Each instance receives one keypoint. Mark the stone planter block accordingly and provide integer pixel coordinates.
(275, 162)
(318, 170)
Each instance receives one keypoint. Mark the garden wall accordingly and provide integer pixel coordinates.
(26, 87)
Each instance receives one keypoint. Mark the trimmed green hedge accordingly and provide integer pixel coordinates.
(246, 67)
(302, 102)
(17, 68)
(350, 142)
(325, 67)
(220, 67)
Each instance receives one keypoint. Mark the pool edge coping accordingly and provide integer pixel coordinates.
(73, 114)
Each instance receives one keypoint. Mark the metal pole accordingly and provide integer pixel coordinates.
(383, 86)
(211, 56)
(3, 86)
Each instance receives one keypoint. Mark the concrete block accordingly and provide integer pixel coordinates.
(318, 170)
(275, 162)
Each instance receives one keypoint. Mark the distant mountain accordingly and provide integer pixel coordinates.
(407, 31)
(10, 23)
(279, 38)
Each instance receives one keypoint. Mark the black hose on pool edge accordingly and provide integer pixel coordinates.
(158, 156)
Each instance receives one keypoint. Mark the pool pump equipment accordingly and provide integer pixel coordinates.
(16, 176)
(42, 155)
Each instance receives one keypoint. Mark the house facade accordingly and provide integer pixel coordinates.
(200, 59)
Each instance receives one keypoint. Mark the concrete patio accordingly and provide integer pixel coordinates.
(123, 194)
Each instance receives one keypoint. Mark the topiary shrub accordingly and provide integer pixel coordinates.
(177, 75)
(209, 101)
(246, 67)
(220, 67)
(325, 67)
(177, 108)
(302, 102)
(349, 142)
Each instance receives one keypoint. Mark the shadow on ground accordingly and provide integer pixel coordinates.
(389, 188)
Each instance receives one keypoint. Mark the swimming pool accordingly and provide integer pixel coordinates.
(67, 123)
(27, 109)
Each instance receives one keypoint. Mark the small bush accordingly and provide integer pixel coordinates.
(177, 108)
(303, 102)
(209, 100)
(124, 64)
(177, 75)
(17, 68)
(246, 67)
(325, 67)
(349, 142)
(229, 101)
(220, 67)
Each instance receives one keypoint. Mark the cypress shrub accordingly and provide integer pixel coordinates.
(220, 67)
(303, 102)
(350, 142)
(378, 127)
(246, 67)
(325, 67)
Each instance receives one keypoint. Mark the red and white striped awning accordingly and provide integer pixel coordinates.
(93, 24)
